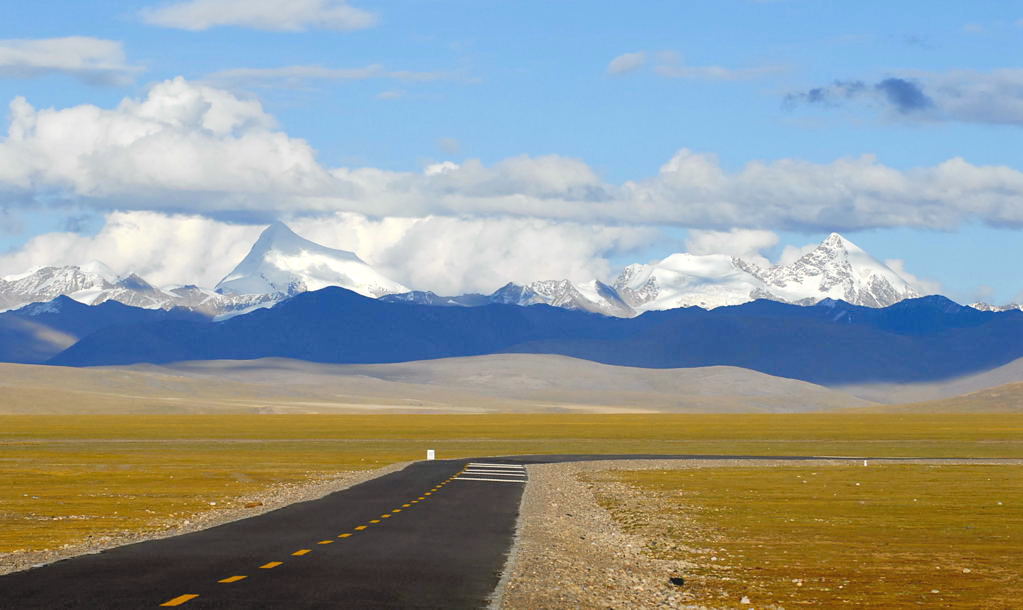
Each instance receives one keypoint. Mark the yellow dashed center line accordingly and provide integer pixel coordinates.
(232, 579)
(181, 599)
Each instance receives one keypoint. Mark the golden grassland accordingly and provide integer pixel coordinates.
(885, 536)
(66, 478)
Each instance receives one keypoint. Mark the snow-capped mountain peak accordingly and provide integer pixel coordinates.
(837, 269)
(283, 263)
(47, 283)
(683, 280)
(99, 269)
(981, 306)
(593, 296)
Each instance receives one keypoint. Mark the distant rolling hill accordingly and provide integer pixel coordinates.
(1001, 399)
(498, 383)
(900, 393)
(918, 340)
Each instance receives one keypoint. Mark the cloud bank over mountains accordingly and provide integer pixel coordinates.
(195, 148)
(449, 255)
(443, 254)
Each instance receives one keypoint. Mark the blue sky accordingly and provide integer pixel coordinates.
(416, 83)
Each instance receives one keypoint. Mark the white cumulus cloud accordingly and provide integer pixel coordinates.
(671, 65)
(298, 76)
(457, 255)
(93, 60)
(278, 15)
(184, 146)
(190, 147)
(164, 249)
(747, 244)
(626, 62)
(920, 284)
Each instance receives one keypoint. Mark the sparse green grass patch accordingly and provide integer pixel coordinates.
(885, 536)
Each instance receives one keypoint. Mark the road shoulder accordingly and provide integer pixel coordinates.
(267, 500)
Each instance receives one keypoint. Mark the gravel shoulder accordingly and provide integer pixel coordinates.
(570, 553)
(264, 501)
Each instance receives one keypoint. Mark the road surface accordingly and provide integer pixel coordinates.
(433, 535)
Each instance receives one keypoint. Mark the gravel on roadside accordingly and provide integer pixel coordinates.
(570, 553)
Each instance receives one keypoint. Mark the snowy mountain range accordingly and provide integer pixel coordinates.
(593, 296)
(836, 269)
(94, 283)
(997, 308)
(282, 264)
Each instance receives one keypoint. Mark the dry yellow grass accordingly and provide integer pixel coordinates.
(887, 536)
(61, 492)
(70, 477)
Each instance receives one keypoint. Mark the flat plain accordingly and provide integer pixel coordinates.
(892, 535)
(68, 478)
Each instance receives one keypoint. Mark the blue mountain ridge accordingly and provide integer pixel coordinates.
(830, 343)
(35, 333)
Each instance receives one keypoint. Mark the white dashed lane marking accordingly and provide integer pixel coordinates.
(506, 473)
(497, 473)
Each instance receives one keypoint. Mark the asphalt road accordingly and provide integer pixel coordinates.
(434, 535)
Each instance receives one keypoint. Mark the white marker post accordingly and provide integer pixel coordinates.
(864, 462)
(431, 454)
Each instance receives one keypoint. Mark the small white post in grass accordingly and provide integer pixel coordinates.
(864, 463)
(432, 455)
